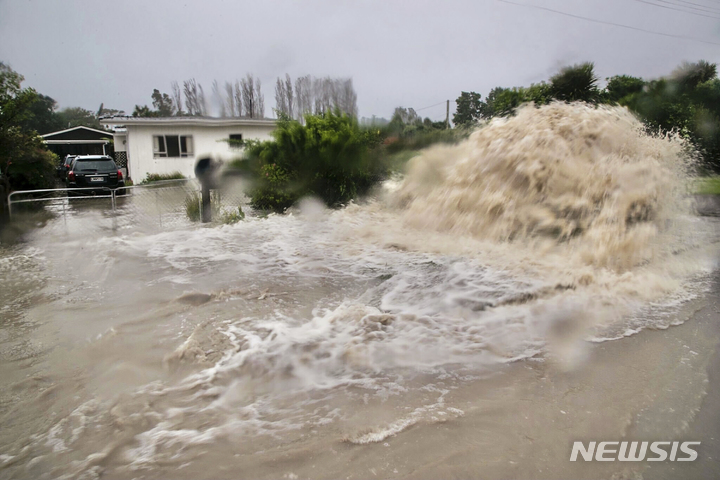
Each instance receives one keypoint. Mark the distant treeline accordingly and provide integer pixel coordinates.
(686, 101)
(244, 98)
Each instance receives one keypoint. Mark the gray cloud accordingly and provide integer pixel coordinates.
(411, 53)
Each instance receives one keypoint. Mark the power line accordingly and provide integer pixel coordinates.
(593, 20)
(425, 108)
(677, 9)
(694, 6)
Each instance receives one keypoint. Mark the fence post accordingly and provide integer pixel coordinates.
(157, 205)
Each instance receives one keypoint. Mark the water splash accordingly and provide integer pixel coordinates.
(571, 173)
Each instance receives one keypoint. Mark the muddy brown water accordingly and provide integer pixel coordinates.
(367, 342)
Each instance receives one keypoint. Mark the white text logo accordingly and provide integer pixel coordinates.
(634, 451)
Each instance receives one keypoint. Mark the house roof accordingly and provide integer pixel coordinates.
(76, 134)
(188, 121)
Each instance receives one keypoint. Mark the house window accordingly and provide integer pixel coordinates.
(172, 146)
(235, 140)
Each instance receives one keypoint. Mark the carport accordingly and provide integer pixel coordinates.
(80, 141)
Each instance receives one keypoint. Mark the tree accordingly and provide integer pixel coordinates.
(281, 99)
(686, 102)
(504, 101)
(143, 111)
(285, 100)
(194, 98)
(289, 95)
(42, 116)
(177, 98)
(77, 116)
(313, 95)
(538, 93)
(237, 95)
(218, 98)
(487, 108)
(576, 83)
(25, 162)
(303, 97)
(468, 109)
(690, 75)
(163, 104)
(108, 112)
(253, 100)
(230, 101)
(621, 86)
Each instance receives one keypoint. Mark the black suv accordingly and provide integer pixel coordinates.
(89, 171)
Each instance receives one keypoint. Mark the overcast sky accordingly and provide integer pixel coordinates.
(410, 53)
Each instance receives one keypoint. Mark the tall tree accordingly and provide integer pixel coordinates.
(77, 116)
(289, 94)
(25, 161)
(468, 110)
(281, 100)
(163, 103)
(108, 112)
(229, 99)
(303, 95)
(315, 95)
(238, 99)
(194, 97)
(253, 100)
(177, 98)
(219, 98)
(42, 116)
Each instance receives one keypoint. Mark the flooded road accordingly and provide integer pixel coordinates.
(404, 337)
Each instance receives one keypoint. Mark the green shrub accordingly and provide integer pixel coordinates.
(35, 169)
(274, 189)
(158, 177)
(328, 157)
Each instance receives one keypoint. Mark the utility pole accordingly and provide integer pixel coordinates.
(447, 115)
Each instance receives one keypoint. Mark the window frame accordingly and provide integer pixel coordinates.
(235, 143)
(159, 152)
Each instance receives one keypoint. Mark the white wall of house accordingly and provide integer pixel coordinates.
(206, 139)
(120, 142)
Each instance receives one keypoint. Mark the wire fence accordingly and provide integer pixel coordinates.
(158, 206)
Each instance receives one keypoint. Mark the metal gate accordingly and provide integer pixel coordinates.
(156, 206)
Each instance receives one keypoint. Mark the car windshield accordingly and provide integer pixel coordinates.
(95, 165)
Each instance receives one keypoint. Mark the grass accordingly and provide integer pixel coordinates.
(192, 206)
(158, 177)
(227, 216)
(707, 186)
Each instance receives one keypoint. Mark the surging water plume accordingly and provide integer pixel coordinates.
(586, 177)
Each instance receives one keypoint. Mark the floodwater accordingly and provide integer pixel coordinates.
(543, 282)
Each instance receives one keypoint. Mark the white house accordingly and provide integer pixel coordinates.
(172, 144)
